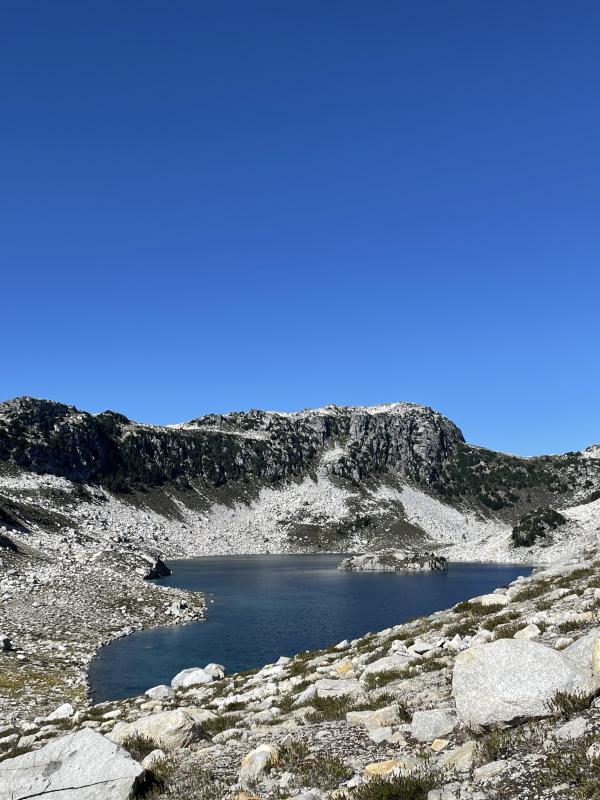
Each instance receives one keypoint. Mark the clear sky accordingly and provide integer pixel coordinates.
(213, 206)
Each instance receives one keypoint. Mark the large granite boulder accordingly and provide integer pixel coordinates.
(511, 679)
(195, 676)
(585, 652)
(80, 766)
(167, 729)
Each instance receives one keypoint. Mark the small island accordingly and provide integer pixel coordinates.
(394, 561)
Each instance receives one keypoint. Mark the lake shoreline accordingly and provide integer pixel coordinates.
(262, 606)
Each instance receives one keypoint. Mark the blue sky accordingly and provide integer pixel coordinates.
(218, 206)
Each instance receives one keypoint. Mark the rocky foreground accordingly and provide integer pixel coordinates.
(498, 697)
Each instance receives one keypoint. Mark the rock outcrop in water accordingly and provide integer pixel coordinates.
(394, 561)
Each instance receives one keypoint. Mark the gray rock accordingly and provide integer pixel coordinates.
(394, 561)
(160, 692)
(153, 759)
(510, 679)
(81, 766)
(585, 652)
(487, 771)
(338, 688)
(194, 676)
(380, 717)
(379, 735)
(167, 729)
(256, 763)
(62, 712)
(572, 729)
(429, 725)
(387, 664)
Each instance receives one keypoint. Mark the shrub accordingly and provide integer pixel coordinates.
(410, 787)
(534, 525)
(495, 746)
(532, 590)
(569, 765)
(188, 784)
(565, 704)
(328, 708)
(139, 746)
(325, 772)
(507, 631)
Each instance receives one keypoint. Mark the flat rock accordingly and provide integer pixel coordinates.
(429, 725)
(342, 688)
(80, 766)
(460, 758)
(387, 664)
(380, 717)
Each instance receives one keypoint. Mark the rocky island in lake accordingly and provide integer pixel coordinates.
(394, 561)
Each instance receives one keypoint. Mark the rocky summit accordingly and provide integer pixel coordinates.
(497, 697)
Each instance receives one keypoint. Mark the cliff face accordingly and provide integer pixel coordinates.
(408, 440)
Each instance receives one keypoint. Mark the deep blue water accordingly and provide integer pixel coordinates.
(268, 606)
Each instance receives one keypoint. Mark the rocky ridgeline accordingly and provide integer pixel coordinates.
(353, 444)
(394, 561)
(49, 437)
(497, 698)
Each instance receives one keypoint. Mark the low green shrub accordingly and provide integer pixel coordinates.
(410, 787)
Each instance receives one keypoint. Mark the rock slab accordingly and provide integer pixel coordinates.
(511, 679)
(80, 766)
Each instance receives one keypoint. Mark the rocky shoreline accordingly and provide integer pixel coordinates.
(494, 698)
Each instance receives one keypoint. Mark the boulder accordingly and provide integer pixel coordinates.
(305, 696)
(528, 632)
(572, 729)
(216, 670)
(461, 758)
(513, 679)
(5, 643)
(154, 759)
(491, 600)
(156, 569)
(393, 766)
(167, 729)
(194, 676)
(387, 664)
(62, 712)
(487, 771)
(80, 766)
(256, 763)
(585, 652)
(380, 717)
(429, 725)
(160, 692)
